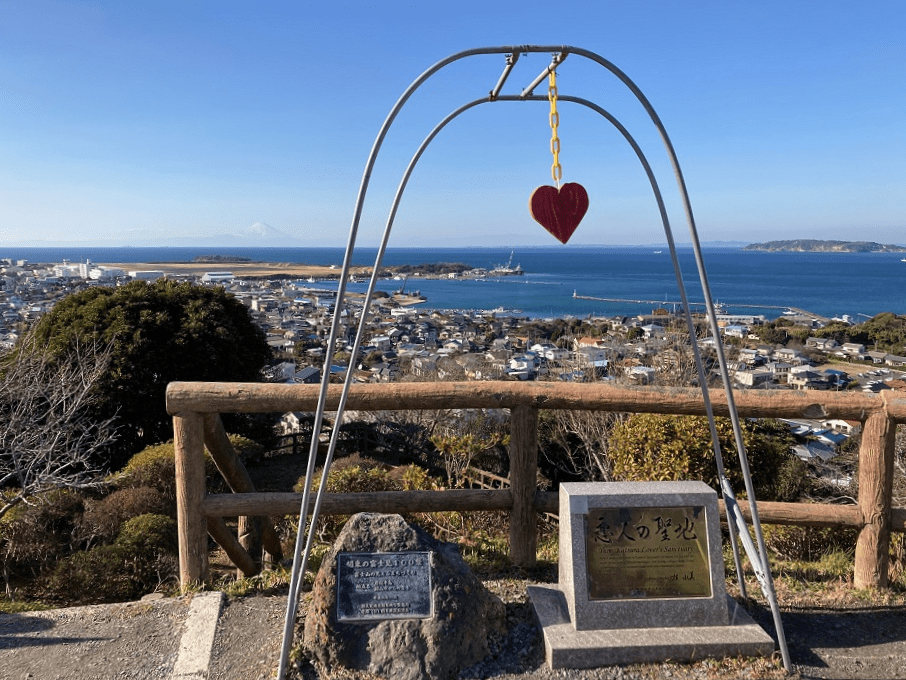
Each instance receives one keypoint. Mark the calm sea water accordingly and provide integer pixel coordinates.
(829, 284)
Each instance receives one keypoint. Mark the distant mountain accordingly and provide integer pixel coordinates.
(816, 246)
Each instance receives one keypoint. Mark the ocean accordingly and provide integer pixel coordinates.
(860, 285)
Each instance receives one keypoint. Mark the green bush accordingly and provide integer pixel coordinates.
(155, 466)
(95, 575)
(650, 447)
(39, 534)
(143, 557)
(149, 533)
(160, 332)
(360, 477)
(357, 478)
(104, 518)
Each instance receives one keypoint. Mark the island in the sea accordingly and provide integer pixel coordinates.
(817, 246)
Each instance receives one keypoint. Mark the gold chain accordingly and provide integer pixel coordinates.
(556, 170)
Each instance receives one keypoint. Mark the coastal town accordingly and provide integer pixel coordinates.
(407, 340)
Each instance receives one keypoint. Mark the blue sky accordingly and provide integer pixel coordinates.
(119, 120)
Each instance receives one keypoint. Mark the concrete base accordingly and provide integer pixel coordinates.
(565, 647)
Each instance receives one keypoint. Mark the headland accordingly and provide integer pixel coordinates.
(817, 246)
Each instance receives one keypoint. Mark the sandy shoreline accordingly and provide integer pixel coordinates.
(265, 270)
(261, 269)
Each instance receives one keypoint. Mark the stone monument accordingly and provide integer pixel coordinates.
(391, 600)
(641, 579)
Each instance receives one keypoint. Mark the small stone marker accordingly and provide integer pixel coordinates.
(641, 579)
(391, 600)
(631, 545)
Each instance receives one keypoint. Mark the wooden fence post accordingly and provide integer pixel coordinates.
(253, 531)
(249, 532)
(188, 430)
(523, 483)
(875, 490)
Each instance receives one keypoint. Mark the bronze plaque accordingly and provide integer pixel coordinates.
(379, 586)
(647, 553)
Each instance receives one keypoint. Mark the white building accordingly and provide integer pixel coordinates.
(100, 273)
(735, 331)
(217, 277)
(754, 378)
(67, 271)
(147, 275)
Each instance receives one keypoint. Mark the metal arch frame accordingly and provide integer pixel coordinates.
(757, 555)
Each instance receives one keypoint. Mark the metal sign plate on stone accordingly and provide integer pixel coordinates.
(379, 586)
(647, 552)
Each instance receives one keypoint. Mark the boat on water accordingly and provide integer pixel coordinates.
(409, 299)
(903, 259)
(507, 269)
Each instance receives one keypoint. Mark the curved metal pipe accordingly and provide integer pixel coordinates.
(766, 579)
(299, 566)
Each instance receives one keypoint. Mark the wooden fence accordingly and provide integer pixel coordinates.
(196, 407)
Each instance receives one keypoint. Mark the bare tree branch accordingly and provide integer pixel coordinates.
(47, 441)
(581, 439)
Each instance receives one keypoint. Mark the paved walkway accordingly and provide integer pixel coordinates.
(185, 638)
(210, 636)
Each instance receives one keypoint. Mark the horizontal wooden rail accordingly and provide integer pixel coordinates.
(485, 479)
(272, 503)
(470, 500)
(195, 405)
(803, 514)
(268, 398)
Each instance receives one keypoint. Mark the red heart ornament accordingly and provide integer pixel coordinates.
(559, 211)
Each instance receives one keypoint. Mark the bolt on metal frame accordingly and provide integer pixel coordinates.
(757, 554)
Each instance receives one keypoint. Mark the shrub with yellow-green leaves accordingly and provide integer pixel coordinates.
(482, 536)
(143, 557)
(359, 478)
(104, 517)
(651, 447)
(155, 466)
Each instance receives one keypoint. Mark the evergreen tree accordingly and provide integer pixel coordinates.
(160, 332)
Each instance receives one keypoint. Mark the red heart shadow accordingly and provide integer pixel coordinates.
(559, 211)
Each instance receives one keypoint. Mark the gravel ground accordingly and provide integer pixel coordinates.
(836, 641)
(519, 655)
(141, 640)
